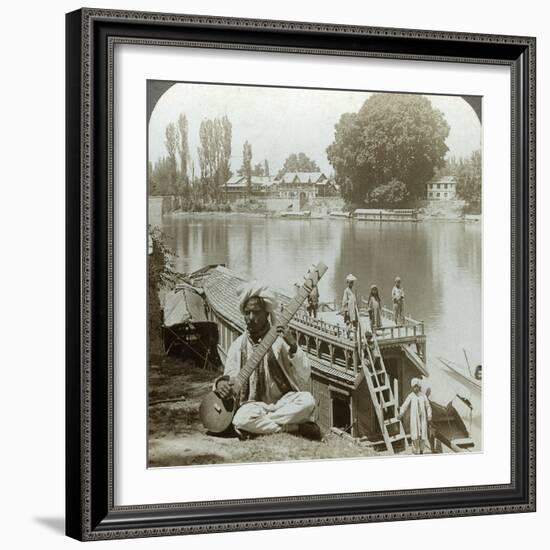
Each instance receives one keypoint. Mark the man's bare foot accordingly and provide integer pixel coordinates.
(310, 430)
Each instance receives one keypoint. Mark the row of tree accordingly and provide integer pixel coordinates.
(382, 155)
(174, 174)
(167, 176)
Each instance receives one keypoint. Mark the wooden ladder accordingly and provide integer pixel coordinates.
(384, 398)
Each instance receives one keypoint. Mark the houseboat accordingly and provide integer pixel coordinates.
(356, 389)
(359, 376)
(381, 215)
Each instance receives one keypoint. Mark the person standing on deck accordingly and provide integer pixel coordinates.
(276, 397)
(313, 302)
(420, 416)
(374, 305)
(349, 303)
(398, 297)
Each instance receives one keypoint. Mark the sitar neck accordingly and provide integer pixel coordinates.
(268, 340)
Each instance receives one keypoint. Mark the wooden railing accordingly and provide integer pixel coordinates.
(331, 329)
(411, 328)
(402, 331)
(388, 314)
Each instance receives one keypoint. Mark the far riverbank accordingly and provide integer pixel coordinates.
(421, 216)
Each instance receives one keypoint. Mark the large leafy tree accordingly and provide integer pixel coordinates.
(393, 193)
(258, 169)
(298, 163)
(162, 276)
(468, 181)
(392, 137)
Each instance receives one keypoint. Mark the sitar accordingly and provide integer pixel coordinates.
(216, 413)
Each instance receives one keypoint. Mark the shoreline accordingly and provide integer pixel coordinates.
(475, 219)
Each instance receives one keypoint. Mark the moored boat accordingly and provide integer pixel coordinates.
(386, 215)
(449, 428)
(338, 214)
(464, 374)
(299, 214)
(359, 377)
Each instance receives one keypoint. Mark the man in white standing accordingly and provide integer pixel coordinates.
(276, 397)
(349, 302)
(420, 416)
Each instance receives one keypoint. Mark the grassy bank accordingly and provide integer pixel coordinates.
(177, 437)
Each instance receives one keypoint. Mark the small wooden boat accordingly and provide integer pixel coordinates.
(448, 428)
(339, 214)
(472, 379)
(300, 214)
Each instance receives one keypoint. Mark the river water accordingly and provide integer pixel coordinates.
(440, 265)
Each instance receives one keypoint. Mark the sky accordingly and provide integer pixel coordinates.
(281, 121)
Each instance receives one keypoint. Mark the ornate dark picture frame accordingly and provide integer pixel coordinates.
(90, 510)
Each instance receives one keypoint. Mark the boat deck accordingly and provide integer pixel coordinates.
(322, 337)
(332, 322)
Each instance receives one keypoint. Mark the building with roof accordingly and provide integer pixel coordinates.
(263, 184)
(237, 186)
(441, 189)
(304, 185)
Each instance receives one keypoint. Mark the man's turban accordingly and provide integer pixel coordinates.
(257, 290)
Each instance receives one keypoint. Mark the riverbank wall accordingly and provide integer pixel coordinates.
(319, 207)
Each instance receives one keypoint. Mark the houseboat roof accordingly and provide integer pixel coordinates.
(220, 288)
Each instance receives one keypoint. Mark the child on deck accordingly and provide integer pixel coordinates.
(398, 297)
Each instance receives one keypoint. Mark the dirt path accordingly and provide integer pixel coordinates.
(177, 437)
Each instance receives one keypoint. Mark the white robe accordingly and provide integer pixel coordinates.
(295, 367)
(349, 304)
(275, 410)
(421, 414)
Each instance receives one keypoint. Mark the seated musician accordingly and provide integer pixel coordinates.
(276, 397)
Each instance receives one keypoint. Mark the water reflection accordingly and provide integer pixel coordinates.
(439, 264)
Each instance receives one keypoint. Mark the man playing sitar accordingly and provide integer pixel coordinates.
(276, 396)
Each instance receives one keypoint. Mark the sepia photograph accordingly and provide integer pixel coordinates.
(314, 274)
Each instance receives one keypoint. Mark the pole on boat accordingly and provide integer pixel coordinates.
(467, 362)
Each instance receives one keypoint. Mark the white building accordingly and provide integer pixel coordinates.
(307, 185)
(441, 189)
(237, 186)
